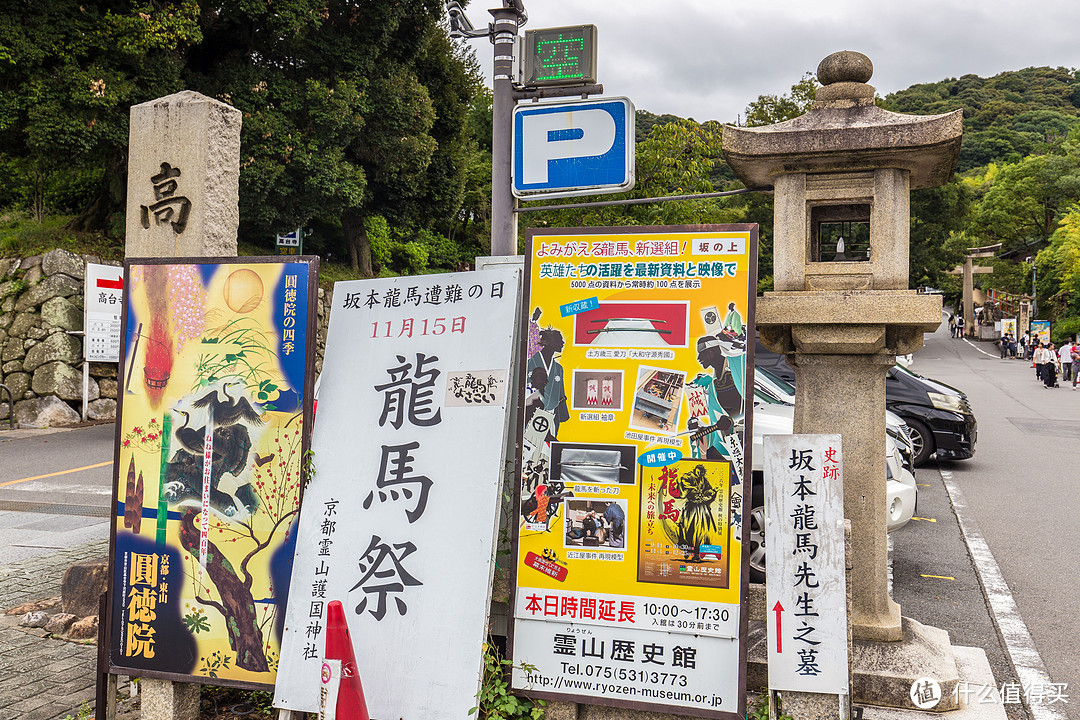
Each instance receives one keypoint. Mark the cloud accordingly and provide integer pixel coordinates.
(708, 59)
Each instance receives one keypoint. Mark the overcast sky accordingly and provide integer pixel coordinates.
(707, 59)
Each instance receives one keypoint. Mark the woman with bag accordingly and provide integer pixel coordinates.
(1038, 361)
(1051, 367)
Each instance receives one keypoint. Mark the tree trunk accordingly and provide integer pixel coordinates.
(245, 637)
(357, 240)
(95, 217)
(109, 197)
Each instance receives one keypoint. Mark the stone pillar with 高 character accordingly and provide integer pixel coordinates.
(183, 177)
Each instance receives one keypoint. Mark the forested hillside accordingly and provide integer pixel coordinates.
(1017, 183)
(1006, 117)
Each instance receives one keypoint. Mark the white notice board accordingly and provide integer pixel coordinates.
(103, 299)
(806, 598)
(400, 518)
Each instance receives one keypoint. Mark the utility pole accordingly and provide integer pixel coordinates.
(1034, 291)
(503, 219)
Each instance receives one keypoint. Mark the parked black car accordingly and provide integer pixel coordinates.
(938, 416)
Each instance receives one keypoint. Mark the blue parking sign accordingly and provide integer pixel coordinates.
(580, 147)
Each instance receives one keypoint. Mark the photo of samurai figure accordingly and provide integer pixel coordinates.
(725, 358)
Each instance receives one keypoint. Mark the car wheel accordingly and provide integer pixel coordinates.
(922, 440)
(757, 531)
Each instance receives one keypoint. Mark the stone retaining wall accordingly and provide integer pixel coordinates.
(41, 305)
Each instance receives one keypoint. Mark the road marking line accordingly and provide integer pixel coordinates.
(923, 484)
(938, 577)
(1014, 633)
(998, 356)
(62, 472)
(923, 519)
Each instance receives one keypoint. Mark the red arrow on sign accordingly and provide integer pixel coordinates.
(778, 609)
(117, 284)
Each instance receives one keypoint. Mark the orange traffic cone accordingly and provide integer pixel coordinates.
(350, 704)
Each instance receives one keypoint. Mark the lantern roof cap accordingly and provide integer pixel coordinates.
(845, 131)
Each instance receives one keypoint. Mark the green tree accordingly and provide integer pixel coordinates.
(938, 215)
(1058, 268)
(69, 72)
(471, 228)
(352, 110)
(1024, 205)
(770, 109)
(679, 157)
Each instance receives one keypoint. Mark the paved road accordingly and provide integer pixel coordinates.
(1020, 495)
(55, 489)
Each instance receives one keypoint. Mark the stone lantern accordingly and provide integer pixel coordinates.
(841, 309)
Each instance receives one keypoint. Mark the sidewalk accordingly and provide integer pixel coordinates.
(41, 678)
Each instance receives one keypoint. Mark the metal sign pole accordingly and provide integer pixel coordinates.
(503, 218)
(85, 387)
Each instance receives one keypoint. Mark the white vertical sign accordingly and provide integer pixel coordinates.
(103, 298)
(806, 597)
(400, 518)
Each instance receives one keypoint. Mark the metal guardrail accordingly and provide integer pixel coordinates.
(11, 406)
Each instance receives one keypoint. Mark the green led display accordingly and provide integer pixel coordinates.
(560, 56)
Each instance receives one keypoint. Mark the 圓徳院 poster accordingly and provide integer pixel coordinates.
(211, 435)
(400, 518)
(629, 535)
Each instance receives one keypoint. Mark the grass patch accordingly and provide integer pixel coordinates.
(22, 236)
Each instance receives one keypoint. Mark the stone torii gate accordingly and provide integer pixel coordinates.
(968, 270)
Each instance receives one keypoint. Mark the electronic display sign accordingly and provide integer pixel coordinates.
(560, 56)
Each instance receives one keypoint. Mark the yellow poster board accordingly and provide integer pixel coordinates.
(630, 529)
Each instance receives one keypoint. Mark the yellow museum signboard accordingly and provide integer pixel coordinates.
(629, 565)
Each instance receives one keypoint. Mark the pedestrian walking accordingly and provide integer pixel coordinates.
(1065, 355)
(952, 325)
(1075, 364)
(1050, 370)
(1038, 361)
(959, 326)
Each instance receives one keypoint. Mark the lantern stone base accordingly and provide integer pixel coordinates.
(884, 672)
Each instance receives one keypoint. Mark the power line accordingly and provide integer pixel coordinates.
(642, 201)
